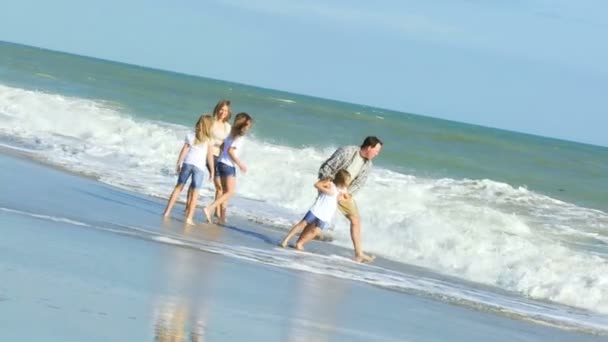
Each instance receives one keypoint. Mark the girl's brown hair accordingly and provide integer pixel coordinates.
(241, 120)
(342, 178)
(202, 129)
(218, 107)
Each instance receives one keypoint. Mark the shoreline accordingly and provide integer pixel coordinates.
(33, 157)
(249, 233)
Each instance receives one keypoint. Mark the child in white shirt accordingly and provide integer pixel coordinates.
(322, 211)
(194, 155)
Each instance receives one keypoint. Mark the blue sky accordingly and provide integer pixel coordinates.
(535, 66)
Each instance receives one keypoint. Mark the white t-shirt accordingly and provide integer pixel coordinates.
(237, 144)
(325, 205)
(197, 155)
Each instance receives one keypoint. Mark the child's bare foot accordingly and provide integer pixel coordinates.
(283, 244)
(206, 212)
(299, 246)
(189, 221)
(166, 215)
(364, 258)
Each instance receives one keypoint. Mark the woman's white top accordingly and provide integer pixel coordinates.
(219, 132)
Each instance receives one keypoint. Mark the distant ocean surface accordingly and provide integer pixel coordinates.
(522, 213)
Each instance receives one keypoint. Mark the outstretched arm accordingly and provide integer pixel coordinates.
(236, 160)
(358, 182)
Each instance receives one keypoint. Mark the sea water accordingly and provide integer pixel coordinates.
(519, 213)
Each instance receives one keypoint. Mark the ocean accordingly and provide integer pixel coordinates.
(507, 222)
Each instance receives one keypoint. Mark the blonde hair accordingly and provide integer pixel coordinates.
(218, 107)
(342, 179)
(202, 129)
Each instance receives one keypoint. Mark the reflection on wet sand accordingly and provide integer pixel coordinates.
(315, 308)
(183, 314)
(171, 324)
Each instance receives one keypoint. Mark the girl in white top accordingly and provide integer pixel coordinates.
(196, 152)
(220, 128)
(322, 211)
(227, 163)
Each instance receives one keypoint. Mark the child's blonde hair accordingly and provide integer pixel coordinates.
(202, 129)
(342, 179)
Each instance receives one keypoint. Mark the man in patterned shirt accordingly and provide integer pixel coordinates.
(357, 160)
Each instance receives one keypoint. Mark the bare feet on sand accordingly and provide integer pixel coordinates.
(364, 258)
(190, 222)
(283, 244)
(299, 247)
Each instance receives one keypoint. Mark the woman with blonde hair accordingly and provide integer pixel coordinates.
(196, 152)
(227, 163)
(220, 128)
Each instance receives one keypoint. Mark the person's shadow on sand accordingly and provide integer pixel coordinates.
(263, 237)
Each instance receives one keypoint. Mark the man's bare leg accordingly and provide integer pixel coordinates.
(355, 235)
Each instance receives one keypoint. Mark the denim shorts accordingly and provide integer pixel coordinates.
(224, 170)
(310, 218)
(215, 159)
(197, 175)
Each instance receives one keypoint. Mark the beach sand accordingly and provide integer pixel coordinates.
(84, 261)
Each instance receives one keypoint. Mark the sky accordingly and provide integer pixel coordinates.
(534, 66)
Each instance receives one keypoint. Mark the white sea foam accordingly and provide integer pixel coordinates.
(479, 230)
(168, 240)
(46, 217)
(283, 100)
